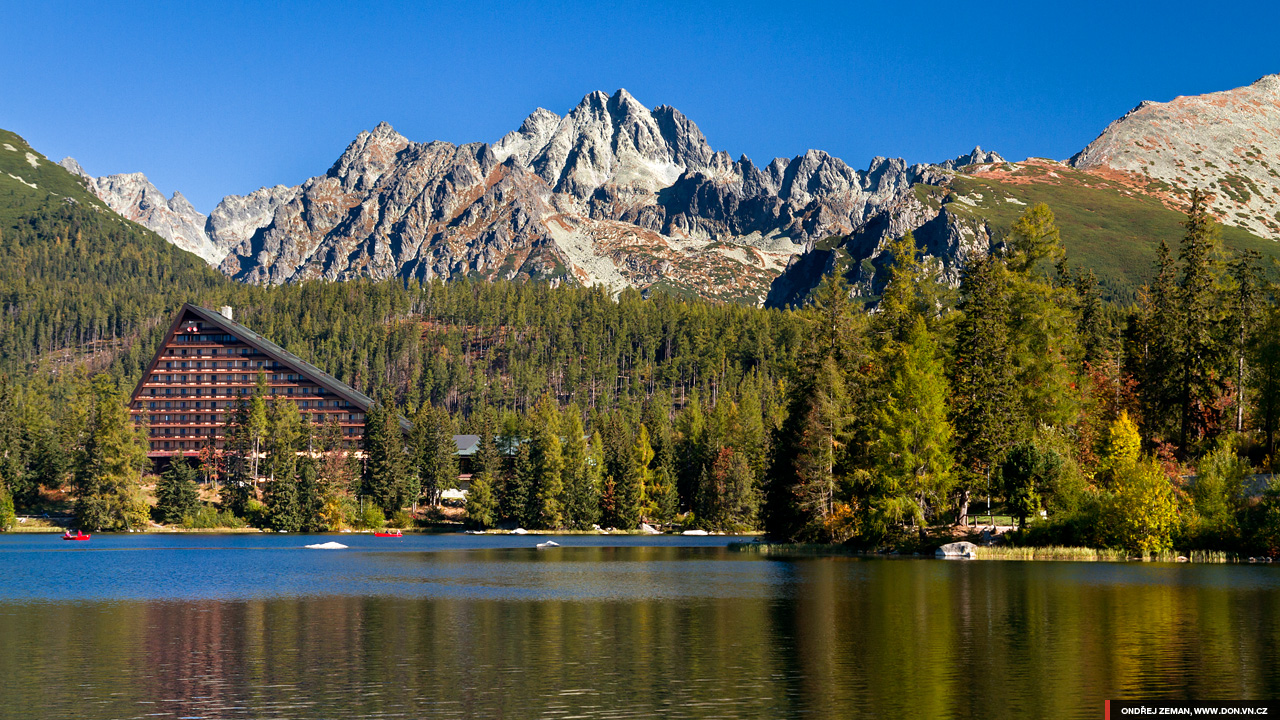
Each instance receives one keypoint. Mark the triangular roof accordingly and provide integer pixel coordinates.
(276, 353)
(467, 444)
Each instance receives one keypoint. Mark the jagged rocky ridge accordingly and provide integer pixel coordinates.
(611, 193)
(619, 194)
(133, 196)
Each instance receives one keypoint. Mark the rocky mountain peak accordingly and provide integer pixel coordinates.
(368, 157)
(1269, 83)
(977, 156)
(531, 137)
(70, 165)
(607, 140)
(688, 145)
(181, 205)
(136, 198)
(1225, 143)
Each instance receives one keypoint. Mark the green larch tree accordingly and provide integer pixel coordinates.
(108, 477)
(911, 435)
(547, 460)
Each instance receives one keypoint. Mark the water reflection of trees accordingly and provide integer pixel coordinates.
(837, 638)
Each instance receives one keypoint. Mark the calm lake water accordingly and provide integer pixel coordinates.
(235, 626)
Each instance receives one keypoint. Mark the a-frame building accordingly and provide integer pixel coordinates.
(208, 362)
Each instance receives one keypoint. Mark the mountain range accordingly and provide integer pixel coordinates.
(619, 194)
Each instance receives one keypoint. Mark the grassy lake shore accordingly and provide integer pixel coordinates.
(995, 552)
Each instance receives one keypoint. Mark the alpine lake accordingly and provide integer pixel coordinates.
(463, 626)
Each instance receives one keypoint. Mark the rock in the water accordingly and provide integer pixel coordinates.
(327, 546)
(965, 550)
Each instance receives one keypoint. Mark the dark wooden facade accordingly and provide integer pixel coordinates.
(207, 363)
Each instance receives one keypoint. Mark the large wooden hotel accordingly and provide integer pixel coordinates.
(207, 362)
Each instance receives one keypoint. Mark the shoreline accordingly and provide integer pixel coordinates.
(1003, 553)
(166, 530)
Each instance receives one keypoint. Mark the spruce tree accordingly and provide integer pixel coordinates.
(1201, 351)
(284, 507)
(310, 497)
(1093, 327)
(239, 487)
(691, 449)
(982, 389)
(1155, 342)
(7, 516)
(1243, 317)
(513, 502)
(481, 508)
(729, 499)
(1265, 379)
(581, 500)
(436, 454)
(620, 502)
(488, 458)
(385, 463)
(12, 446)
(177, 494)
(800, 493)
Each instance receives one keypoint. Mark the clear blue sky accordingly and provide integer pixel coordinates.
(212, 100)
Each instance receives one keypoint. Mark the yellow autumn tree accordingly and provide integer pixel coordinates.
(1144, 509)
(1123, 447)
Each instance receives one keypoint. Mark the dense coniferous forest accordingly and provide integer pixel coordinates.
(1148, 427)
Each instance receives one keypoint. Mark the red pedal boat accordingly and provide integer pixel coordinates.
(78, 536)
(388, 533)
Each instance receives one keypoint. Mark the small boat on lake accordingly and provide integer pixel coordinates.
(78, 536)
(388, 533)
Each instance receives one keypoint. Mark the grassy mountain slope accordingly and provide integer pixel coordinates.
(1108, 227)
(29, 181)
(78, 279)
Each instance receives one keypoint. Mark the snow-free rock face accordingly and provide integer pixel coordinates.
(977, 156)
(133, 196)
(611, 193)
(1225, 143)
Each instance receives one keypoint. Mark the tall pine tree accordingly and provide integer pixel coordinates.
(983, 395)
